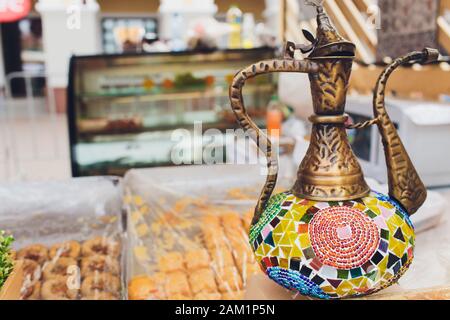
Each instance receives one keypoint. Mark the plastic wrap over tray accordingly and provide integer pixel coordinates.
(187, 231)
(69, 236)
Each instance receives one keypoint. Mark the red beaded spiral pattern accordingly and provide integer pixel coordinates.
(343, 237)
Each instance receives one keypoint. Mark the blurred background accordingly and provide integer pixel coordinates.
(99, 87)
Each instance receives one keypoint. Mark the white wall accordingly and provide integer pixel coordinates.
(69, 27)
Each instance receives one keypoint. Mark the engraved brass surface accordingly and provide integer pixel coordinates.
(404, 182)
(330, 170)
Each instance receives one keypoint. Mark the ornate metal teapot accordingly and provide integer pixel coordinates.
(330, 236)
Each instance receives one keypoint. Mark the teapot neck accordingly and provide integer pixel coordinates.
(330, 170)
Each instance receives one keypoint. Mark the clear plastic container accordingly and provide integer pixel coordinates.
(69, 237)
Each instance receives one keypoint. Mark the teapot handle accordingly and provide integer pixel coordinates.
(261, 140)
(404, 182)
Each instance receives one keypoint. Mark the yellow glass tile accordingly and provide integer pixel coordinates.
(260, 251)
(300, 209)
(382, 266)
(399, 249)
(370, 201)
(408, 232)
(393, 242)
(288, 216)
(288, 225)
(344, 287)
(304, 241)
(395, 220)
(286, 251)
(386, 205)
(284, 241)
(278, 229)
(284, 263)
(363, 283)
(291, 198)
(292, 237)
(298, 215)
(375, 209)
(352, 292)
(327, 289)
(276, 237)
(296, 252)
(387, 276)
(360, 206)
(266, 248)
(357, 282)
(391, 226)
(276, 252)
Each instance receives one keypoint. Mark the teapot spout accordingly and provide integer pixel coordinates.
(404, 182)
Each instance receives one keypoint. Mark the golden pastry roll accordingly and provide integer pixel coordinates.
(210, 220)
(247, 219)
(243, 255)
(145, 288)
(233, 295)
(221, 258)
(208, 296)
(215, 239)
(249, 269)
(231, 220)
(203, 280)
(171, 262)
(237, 237)
(180, 296)
(229, 280)
(177, 283)
(197, 259)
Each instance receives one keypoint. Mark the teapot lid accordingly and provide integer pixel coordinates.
(328, 42)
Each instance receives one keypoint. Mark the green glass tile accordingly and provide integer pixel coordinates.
(356, 273)
(372, 275)
(271, 212)
(343, 274)
(333, 204)
(397, 212)
(371, 214)
(307, 218)
(384, 234)
(283, 213)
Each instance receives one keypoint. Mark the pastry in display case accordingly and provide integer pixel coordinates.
(123, 109)
(187, 234)
(68, 239)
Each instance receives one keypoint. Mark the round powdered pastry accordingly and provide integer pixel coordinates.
(57, 289)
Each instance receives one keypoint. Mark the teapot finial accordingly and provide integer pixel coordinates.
(328, 40)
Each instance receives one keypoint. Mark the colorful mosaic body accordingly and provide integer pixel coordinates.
(333, 250)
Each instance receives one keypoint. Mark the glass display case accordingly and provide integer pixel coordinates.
(125, 34)
(131, 111)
